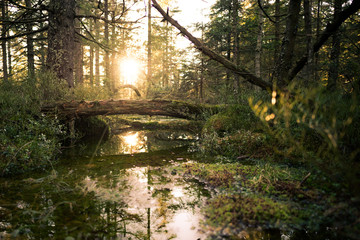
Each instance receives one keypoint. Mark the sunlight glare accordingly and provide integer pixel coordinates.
(132, 139)
(130, 68)
(133, 143)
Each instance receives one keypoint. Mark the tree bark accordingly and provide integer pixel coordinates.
(61, 35)
(141, 107)
(97, 54)
(236, 45)
(285, 60)
(106, 40)
(335, 51)
(91, 65)
(78, 54)
(277, 29)
(316, 55)
(30, 46)
(308, 33)
(259, 43)
(9, 56)
(149, 51)
(114, 69)
(3, 42)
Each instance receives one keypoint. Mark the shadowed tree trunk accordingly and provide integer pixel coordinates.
(284, 63)
(236, 48)
(78, 54)
(142, 107)
(277, 29)
(3, 42)
(9, 56)
(335, 52)
(30, 46)
(91, 65)
(106, 41)
(97, 54)
(308, 32)
(259, 42)
(61, 36)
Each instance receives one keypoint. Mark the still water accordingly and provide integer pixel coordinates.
(122, 189)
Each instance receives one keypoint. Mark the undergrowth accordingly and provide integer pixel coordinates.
(29, 139)
(310, 133)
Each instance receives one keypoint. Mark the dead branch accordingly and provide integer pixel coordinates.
(247, 75)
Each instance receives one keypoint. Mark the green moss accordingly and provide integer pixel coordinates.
(231, 119)
(262, 194)
(92, 127)
(238, 209)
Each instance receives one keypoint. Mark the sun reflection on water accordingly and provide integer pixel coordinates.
(134, 143)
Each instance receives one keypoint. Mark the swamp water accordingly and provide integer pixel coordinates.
(123, 188)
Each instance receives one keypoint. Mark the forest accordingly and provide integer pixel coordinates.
(244, 114)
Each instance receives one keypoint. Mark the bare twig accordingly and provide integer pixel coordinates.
(304, 179)
(263, 10)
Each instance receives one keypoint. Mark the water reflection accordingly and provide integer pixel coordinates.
(133, 143)
(106, 197)
(137, 142)
(162, 206)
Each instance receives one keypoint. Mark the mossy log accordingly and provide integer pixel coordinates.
(169, 108)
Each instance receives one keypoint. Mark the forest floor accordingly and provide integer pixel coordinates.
(265, 195)
(258, 186)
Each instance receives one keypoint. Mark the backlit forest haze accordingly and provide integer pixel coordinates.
(270, 88)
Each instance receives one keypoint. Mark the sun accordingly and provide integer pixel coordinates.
(129, 70)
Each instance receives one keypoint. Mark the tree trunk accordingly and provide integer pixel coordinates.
(97, 54)
(236, 46)
(149, 54)
(141, 107)
(106, 41)
(308, 33)
(316, 55)
(166, 58)
(78, 54)
(277, 30)
(9, 56)
(3, 43)
(30, 46)
(61, 37)
(259, 42)
(285, 60)
(114, 69)
(335, 52)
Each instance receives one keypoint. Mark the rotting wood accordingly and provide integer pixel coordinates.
(169, 108)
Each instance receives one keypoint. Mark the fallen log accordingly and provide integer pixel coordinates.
(177, 109)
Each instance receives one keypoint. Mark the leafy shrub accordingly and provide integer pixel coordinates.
(232, 133)
(230, 120)
(28, 139)
(316, 126)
